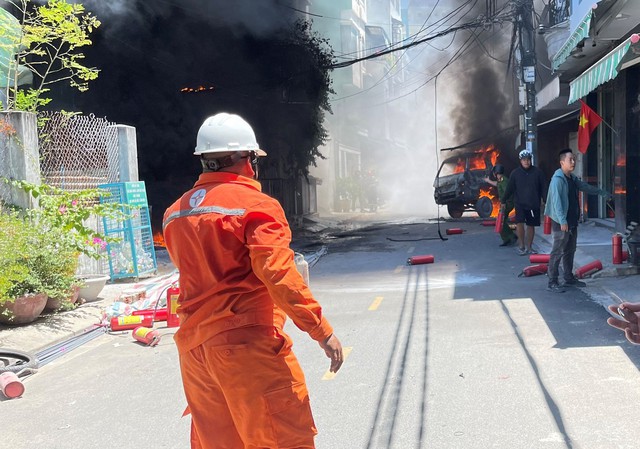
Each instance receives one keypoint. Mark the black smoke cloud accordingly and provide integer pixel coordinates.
(485, 108)
(147, 51)
(238, 16)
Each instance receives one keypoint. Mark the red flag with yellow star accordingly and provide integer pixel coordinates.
(589, 121)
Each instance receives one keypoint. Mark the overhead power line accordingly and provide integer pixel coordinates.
(479, 22)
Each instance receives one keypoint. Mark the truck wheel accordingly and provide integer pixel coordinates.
(484, 207)
(455, 209)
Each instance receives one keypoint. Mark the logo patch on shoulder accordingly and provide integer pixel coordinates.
(197, 198)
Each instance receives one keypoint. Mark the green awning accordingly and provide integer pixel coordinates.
(580, 33)
(602, 71)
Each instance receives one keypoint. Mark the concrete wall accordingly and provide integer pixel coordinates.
(19, 157)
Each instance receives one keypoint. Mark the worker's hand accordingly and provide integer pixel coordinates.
(333, 349)
(627, 323)
(564, 227)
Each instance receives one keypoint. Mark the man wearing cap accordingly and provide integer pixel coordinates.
(528, 186)
(238, 283)
(501, 182)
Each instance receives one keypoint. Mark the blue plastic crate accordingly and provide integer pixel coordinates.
(133, 255)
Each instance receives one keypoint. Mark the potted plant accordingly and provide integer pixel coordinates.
(39, 252)
(22, 298)
(62, 216)
(55, 265)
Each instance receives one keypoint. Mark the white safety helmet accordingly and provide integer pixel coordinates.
(524, 154)
(224, 133)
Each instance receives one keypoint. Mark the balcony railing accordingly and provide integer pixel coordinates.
(559, 11)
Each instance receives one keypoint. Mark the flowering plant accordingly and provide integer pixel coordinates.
(39, 247)
(33, 261)
(68, 211)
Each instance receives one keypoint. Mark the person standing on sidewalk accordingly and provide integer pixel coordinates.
(528, 186)
(564, 210)
(238, 283)
(507, 235)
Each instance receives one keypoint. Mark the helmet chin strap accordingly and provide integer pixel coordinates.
(228, 161)
(223, 162)
(254, 163)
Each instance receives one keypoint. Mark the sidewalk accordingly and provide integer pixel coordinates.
(613, 282)
(594, 243)
(51, 329)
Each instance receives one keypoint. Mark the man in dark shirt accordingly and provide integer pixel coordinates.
(564, 210)
(528, 186)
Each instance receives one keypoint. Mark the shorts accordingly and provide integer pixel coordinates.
(530, 217)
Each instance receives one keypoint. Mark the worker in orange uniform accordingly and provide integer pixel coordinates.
(238, 282)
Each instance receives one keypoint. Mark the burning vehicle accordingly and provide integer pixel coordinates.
(460, 184)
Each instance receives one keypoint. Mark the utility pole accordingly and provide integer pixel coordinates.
(524, 22)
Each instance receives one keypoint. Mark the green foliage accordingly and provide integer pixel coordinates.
(316, 56)
(17, 242)
(50, 43)
(39, 247)
(34, 260)
(30, 100)
(65, 213)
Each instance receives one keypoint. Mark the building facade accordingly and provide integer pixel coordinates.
(593, 50)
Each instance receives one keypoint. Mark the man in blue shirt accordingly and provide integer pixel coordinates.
(564, 210)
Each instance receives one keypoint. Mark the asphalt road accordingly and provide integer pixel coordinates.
(460, 353)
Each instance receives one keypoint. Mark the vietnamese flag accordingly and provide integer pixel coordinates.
(589, 121)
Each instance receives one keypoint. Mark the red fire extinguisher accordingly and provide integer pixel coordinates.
(158, 314)
(146, 335)
(173, 320)
(539, 258)
(10, 385)
(499, 221)
(588, 269)
(452, 231)
(534, 270)
(129, 322)
(419, 260)
(616, 243)
(547, 224)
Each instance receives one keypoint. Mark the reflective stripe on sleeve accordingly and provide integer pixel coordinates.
(202, 211)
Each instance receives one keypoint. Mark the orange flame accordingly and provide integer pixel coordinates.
(158, 239)
(477, 161)
(489, 193)
(197, 89)
(459, 166)
(620, 190)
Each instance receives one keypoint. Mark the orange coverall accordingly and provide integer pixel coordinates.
(238, 282)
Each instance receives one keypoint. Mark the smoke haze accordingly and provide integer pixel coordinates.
(148, 50)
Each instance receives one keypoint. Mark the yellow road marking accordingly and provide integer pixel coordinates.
(376, 302)
(410, 250)
(398, 269)
(345, 353)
